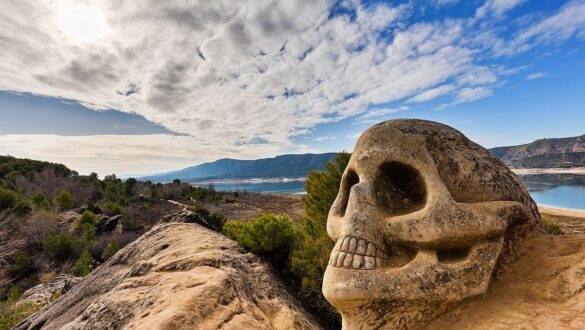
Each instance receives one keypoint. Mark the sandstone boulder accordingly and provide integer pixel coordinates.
(423, 219)
(177, 276)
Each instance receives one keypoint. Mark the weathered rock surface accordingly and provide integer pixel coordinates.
(185, 217)
(177, 276)
(43, 293)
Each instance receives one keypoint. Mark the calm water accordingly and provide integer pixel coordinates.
(561, 190)
(291, 187)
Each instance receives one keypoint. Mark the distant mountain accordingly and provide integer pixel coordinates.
(545, 153)
(280, 166)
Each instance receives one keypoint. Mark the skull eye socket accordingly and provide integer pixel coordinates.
(400, 189)
(349, 180)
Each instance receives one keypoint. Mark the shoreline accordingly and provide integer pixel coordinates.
(561, 211)
(534, 171)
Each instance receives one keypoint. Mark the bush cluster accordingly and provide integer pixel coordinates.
(11, 313)
(111, 249)
(21, 264)
(269, 235)
(216, 220)
(60, 246)
(83, 265)
(63, 201)
(551, 227)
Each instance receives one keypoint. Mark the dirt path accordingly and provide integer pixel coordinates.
(543, 289)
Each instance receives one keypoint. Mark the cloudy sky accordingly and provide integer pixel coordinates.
(133, 87)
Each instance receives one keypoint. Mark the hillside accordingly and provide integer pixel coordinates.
(279, 166)
(545, 153)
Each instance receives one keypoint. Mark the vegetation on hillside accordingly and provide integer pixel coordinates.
(300, 253)
(50, 218)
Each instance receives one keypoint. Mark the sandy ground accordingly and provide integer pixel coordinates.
(544, 288)
(559, 211)
(529, 171)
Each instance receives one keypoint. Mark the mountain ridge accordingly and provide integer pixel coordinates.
(564, 152)
(545, 153)
(288, 165)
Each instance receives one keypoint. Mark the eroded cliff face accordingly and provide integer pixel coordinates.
(177, 276)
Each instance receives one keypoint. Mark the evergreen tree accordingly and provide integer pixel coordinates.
(311, 254)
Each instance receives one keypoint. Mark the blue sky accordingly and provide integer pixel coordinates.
(139, 87)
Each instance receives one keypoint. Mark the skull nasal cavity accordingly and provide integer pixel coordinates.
(400, 189)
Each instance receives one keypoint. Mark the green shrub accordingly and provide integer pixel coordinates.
(269, 235)
(310, 255)
(47, 277)
(12, 314)
(216, 220)
(203, 194)
(60, 246)
(112, 208)
(55, 296)
(111, 249)
(13, 295)
(40, 200)
(63, 201)
(82, 266)
(87, 218)
(21, 264)
(551, 227)
(22, 208)
(129, 224)
(89, 235)
(8, 199)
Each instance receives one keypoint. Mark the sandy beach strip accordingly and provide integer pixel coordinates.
(531, 171)
(560, 211)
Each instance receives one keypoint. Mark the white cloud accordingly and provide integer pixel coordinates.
(445, 2)
(472, 94)
(567, 23)
(468, 94)
(536, 75)
(376, 113)
(354, 136)
(325, 138)
(497, 7)
(431, 94)
(252, 74)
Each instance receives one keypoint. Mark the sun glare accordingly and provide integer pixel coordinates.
(83, 23)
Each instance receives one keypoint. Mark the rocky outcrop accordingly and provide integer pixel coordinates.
(177, 276)
(185, 217)
(108, 224)
(43, 293)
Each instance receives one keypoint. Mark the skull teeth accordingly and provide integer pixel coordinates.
(357, 253)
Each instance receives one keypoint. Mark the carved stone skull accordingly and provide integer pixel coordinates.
(423, 218)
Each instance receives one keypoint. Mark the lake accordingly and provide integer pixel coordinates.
(561, 190)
